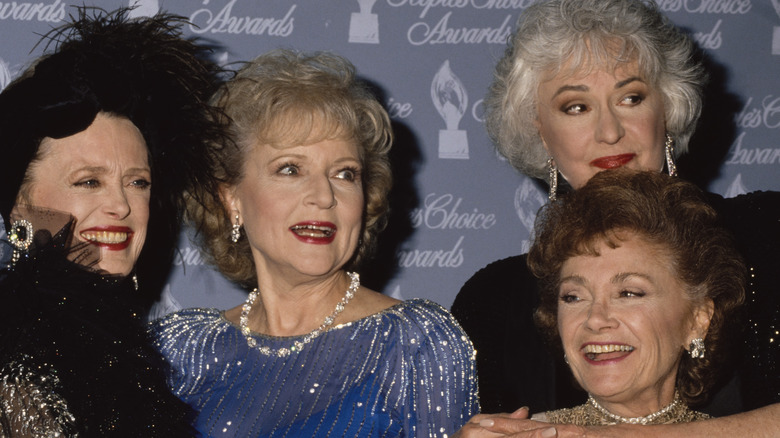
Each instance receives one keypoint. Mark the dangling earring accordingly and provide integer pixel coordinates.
(552, 170)
(135, 281)
(697, 349)
(235, 233)
(21, 237)
(669, 150)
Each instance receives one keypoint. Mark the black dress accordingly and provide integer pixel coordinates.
(74, 353)
(516, 368)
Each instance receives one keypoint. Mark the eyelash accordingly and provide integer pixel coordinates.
(569, 298)
(90, 183)
(93, 183)
(569, 109)
(353, 170)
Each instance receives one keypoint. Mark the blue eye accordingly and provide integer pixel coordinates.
(349, 174)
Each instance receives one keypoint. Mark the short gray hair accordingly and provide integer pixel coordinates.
(577, 34)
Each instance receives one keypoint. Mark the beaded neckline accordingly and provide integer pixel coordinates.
(297, 346)
(635, 420)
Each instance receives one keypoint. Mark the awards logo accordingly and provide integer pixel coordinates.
(450, 99)
(776, 33)
(363, 25)
(528, 200)
(143, 8)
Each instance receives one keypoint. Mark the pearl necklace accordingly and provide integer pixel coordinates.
(635, 420)
(243, 321)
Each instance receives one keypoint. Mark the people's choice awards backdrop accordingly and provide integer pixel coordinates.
(456, 205)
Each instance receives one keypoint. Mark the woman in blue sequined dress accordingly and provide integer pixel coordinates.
(311, 352)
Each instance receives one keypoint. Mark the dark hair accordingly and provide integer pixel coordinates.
(664, 211)
(286, 97)
(141, 69)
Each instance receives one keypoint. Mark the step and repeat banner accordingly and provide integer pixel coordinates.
(456, 205)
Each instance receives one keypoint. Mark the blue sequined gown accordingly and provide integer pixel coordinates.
(406, 371)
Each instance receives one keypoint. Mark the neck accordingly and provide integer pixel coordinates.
(645, 417)
(291, 309)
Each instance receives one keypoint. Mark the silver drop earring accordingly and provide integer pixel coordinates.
(697, 349)
(552, 170)
(669, 150)
(235, 233)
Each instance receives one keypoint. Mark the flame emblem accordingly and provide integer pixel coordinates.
(450, 99)
(528, 200)
(449, 96)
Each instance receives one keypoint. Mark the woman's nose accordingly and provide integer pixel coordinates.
(116, 203)
(599, 317)
(321, 193)
(610, 128)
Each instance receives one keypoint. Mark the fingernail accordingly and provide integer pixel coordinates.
(520, 409)
(487, 423)
(549, 433)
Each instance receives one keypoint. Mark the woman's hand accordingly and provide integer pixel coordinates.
(500, 425)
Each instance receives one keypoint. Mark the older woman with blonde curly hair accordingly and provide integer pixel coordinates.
(311, 352)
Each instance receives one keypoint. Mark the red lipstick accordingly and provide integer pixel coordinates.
(315, 232)
(109, 237)
(613, 161)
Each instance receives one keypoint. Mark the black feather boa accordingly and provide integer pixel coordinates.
(87, 330)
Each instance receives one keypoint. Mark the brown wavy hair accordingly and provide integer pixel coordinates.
(664, 211)
(282, 98)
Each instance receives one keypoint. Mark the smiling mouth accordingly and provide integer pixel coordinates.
(597, 353)
(105, 237)
(313, 231)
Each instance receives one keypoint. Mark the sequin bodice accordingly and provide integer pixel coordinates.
(587, 415)
(406, 371)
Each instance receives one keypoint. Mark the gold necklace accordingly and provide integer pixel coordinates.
(243, 321)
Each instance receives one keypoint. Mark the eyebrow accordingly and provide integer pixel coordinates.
(624, 275)
(618, 85)
(103, 170)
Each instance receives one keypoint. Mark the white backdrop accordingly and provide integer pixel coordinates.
(456, 205)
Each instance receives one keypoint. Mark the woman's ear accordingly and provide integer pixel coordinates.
(230, 201)
(702, 315)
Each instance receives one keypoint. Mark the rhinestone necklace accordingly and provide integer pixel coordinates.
(635, 420)
(243, 321)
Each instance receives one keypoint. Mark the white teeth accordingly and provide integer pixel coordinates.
(109, 237)
(609, 348)
(313, 230)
